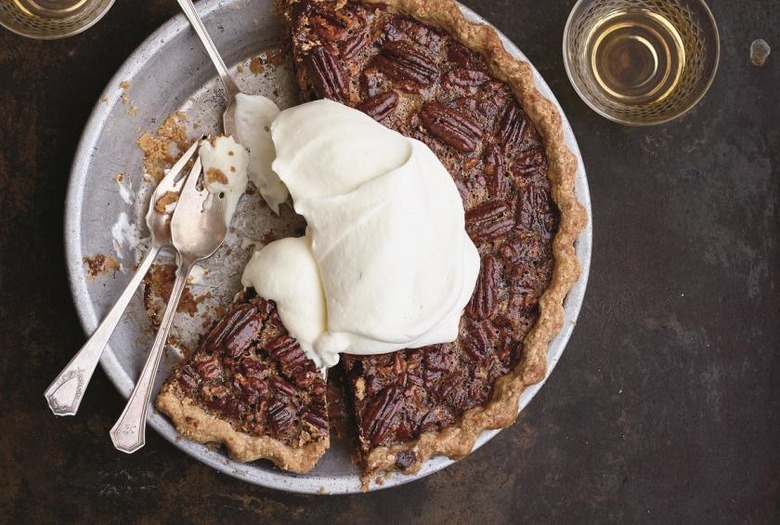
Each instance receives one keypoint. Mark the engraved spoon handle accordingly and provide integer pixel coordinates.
(211, 50)
(129, 432)
(66, 392)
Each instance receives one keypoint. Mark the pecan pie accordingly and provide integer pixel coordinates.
(250, 386)
(420, 68)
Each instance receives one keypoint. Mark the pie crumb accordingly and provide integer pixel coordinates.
(215, 175)
(256, 65)
(157, 147)
(100, 264)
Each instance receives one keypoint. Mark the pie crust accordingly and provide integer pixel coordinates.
(196, 424)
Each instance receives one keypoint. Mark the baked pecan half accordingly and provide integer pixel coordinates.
(282, 387)
(454, 128)
(465, 79)
(522, 299)
(209, 368)
(326, 74)
(459, 54)
(534, 209)
(530, 162)
(436, 358)
(476, 338)
(353, 45)
(495, 172)
(331, 25)
(512, 124)
(380, 415)
(427, 37)
(379, 106)
(483, 301)
(256, 386)
(528, 250)
(188, 379)
(403, 61)
(242, 336)
(289, 354)
(319, 423)
(489, 221)
(281, 416)
(452, 391)
(234, 320)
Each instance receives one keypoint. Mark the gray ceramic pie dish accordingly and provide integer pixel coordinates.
(169, 71)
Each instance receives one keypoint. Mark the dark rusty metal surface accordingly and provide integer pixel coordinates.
(664, 408)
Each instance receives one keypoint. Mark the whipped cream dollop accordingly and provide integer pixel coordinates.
(386, 263)
(225, 165)
(253, 117)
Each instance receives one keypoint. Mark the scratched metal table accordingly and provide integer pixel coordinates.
(665, 406)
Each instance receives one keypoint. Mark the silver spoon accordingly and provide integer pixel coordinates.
(231, 88)
(198, 229)
(66, 392)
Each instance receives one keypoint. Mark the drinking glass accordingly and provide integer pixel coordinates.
(641, 62)
(50, 19)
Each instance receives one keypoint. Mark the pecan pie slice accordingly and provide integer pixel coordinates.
(420, 68)
(251, 387)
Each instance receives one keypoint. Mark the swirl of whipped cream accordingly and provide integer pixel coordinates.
(386, 263)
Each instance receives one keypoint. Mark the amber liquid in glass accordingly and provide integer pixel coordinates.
(48, 9)
(635, 56)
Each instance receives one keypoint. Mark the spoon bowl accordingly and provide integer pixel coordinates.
(66, 392)
(198, 229)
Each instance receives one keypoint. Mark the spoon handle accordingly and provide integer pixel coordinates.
(65, 393)
(211, 50)
(129, 432)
